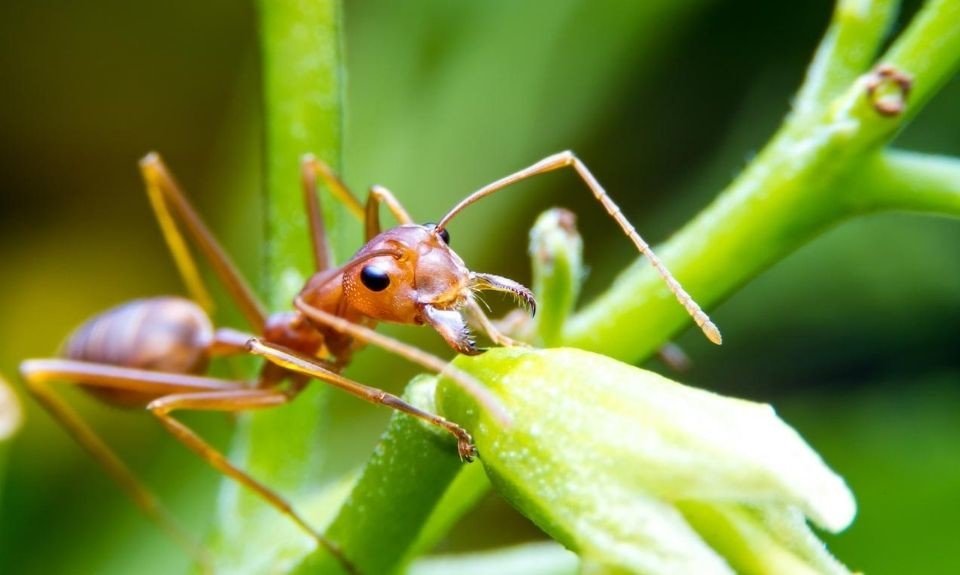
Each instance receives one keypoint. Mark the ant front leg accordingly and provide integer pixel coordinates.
(299, 363)
(413, 354)
(480, 318)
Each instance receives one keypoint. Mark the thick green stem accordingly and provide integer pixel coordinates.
(380, 524)
(793, 191)
(303, 110)
(302, 99)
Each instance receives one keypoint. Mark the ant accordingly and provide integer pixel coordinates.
(152, 352)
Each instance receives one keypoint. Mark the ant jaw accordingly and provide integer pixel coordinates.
(524, 296)
(452, 328)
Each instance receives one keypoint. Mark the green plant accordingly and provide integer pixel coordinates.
(827, 163)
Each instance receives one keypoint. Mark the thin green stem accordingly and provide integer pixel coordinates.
(787, 196)
(848, 48)
(909, 181)
(929, 50)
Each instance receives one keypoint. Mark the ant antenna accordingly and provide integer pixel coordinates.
(568, 159)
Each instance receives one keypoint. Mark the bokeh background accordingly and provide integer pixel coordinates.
(855, 338)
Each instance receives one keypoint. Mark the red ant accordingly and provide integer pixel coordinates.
(151, 352)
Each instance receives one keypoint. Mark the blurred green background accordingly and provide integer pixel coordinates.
(855, 338)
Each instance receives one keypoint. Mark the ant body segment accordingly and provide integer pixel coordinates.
(152, 353)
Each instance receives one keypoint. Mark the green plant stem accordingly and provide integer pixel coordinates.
(848, 48)
(908, 181)
(302, 87)
(796, 188)
(303, 110)
(401, 485)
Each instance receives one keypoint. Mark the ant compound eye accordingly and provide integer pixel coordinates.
(444, 234)
(374, 278)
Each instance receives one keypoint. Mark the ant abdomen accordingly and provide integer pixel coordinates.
(168, 334)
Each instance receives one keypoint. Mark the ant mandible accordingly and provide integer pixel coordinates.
(151, 352)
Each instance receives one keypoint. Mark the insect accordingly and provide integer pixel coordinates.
(151, 353)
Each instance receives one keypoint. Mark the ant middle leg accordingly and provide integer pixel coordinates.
(312, 167)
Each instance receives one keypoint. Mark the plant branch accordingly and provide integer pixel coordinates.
(909, 181)
(379, 525)
(787, 196)
(303, 109)
(847, 49)
(302, 100)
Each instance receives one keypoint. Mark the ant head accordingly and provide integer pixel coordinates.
(410, 275)
(402, 270)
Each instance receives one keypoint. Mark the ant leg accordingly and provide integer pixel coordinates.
(569, 160)
(169, 387)
(483, 322)
(171, 206)
(408, 352)
(381, 195)
(37, 375)
(310, 168)
(299, 363)
(232, 401)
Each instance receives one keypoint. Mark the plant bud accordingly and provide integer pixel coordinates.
(640, 474)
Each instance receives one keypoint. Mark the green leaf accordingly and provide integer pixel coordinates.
(602, 455)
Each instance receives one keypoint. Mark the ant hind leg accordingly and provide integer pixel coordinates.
(37, 374)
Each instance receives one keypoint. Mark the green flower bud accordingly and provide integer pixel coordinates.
(556, 250)
(639, 474)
